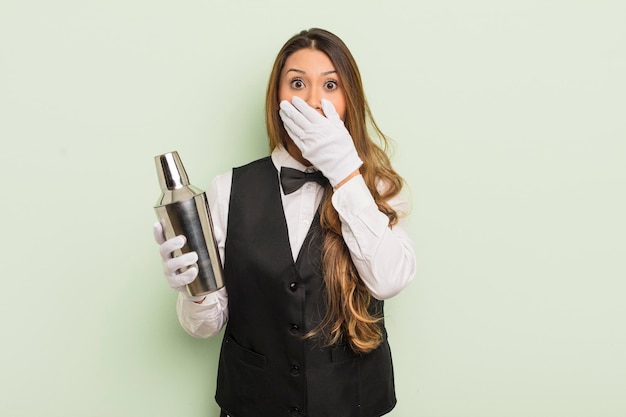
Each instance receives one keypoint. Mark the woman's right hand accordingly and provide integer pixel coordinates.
(172, 265)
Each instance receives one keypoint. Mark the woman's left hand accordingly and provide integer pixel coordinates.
(323, 140)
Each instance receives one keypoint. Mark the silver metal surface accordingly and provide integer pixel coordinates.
(183, 210)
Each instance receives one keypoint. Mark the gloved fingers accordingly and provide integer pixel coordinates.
(178, 281)
(300, 144)
(194, 298)
(290, 125)
(329, 110)
(307, 111)
(166, 248)
(159, 235)
(299, 118)
(178, 262)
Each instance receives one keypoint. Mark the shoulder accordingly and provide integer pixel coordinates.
(255, 164)
(219, 190)
(222, 180)
(221, 184)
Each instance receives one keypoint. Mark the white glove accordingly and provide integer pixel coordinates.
(324, 141)
(171, 265)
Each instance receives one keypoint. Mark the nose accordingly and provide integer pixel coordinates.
(314, 99)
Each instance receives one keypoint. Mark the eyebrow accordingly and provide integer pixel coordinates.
(299, 71)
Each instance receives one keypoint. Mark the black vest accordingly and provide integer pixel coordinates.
(266, 368)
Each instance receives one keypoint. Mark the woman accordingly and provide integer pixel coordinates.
(306, 266)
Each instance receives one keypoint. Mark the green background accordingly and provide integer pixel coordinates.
(509, 124)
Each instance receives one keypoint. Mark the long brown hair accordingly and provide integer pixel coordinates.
(348, 316)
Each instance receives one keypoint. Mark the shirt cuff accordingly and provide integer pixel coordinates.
(204, 319)
(354, 202)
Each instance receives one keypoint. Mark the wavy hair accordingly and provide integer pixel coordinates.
(349, 317)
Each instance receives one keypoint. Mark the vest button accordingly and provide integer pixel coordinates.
(294, 411)
(295, 370)
(293, 286)
(294, 329)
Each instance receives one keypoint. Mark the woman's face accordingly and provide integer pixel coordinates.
(310, 75)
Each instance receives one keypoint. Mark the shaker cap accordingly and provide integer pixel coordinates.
(171, 172)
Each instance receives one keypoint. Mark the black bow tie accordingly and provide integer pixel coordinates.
(292, 179)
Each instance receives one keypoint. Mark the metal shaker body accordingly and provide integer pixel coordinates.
(184, 210)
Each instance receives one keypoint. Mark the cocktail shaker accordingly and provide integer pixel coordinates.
(184, 210)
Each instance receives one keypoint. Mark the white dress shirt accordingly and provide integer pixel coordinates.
(382, 255)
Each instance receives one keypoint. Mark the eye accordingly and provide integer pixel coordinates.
(296, 83)
(331, 85)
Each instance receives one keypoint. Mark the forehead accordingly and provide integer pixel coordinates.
(309, 60)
